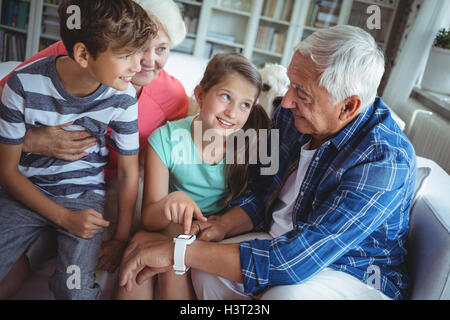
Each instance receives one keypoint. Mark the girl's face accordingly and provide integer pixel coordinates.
(225, 107)
(154, 59)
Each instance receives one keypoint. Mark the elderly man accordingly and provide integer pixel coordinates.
(336, 213)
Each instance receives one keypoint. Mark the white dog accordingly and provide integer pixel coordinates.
(275, 84)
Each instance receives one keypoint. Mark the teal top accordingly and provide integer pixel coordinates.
(204, 183)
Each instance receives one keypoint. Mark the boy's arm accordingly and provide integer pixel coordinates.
(83, 223)
(13, 181)
(128, 176)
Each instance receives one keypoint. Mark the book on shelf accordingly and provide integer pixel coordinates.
(287, 10)
(279, 39)
(191, 24)
(15, 13)
(212, 49)
(278, 9)
(12, 46)
(270, 40)
(187, 46)
(221, 36)
(57, 2)
(51, 12)
(387, 3)
(323, 13)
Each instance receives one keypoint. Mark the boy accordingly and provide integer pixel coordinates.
(91, 89)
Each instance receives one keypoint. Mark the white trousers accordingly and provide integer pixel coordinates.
(327, 284)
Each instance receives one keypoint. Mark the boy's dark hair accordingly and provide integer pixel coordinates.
(119, 24)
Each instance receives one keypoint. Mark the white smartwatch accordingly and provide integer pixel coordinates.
(181, 241)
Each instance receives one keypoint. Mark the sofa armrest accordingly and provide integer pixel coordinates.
(7, 67)
(428, 258)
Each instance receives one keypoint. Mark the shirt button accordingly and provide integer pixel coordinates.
(302, 193)
(317, 158)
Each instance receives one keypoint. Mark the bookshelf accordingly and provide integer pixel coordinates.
(191, 12)
(262, 30)
(16, 25)
(265, 31)
(26, 27)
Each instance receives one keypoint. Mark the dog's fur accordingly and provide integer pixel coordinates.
(275, 84)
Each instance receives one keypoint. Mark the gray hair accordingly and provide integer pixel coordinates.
(349, 61)
(168, 14)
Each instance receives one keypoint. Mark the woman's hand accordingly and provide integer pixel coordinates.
(58, 143)
(180, 208)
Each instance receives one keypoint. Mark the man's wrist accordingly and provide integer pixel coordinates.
(232, 221)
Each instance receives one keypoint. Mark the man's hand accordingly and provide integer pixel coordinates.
(83, 223)
(111, 254)
(211, 230)
(142, 261)
(180, 208)
(58, 143)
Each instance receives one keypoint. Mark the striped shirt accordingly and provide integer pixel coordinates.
(351, 213)
(35, 97)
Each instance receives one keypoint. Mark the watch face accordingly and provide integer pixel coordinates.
(185, 236)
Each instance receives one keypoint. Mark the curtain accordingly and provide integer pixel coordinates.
(412, 59)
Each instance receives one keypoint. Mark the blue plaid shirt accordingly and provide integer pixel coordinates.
(352, 211)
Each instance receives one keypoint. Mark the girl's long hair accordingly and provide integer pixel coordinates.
(238, 176)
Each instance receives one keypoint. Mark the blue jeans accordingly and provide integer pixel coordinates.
(76, 258)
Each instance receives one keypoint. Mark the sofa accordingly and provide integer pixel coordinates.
(428, 259)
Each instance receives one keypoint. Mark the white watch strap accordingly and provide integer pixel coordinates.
(178, 257)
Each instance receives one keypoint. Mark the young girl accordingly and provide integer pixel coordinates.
(187, 174)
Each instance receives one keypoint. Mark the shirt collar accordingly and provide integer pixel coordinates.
(349, 131)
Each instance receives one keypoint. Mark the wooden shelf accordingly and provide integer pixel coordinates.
(191, 3)
(243, 26)
(272, 20)
(225, 43)
(381, 5)
(13, 29)
(232, 11)
(268, 53)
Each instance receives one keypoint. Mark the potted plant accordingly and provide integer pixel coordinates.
(437, 72)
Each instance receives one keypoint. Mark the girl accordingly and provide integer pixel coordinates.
(182, 179)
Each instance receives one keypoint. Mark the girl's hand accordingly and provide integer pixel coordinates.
(55, 142)
(84, 223)
(180, 208)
